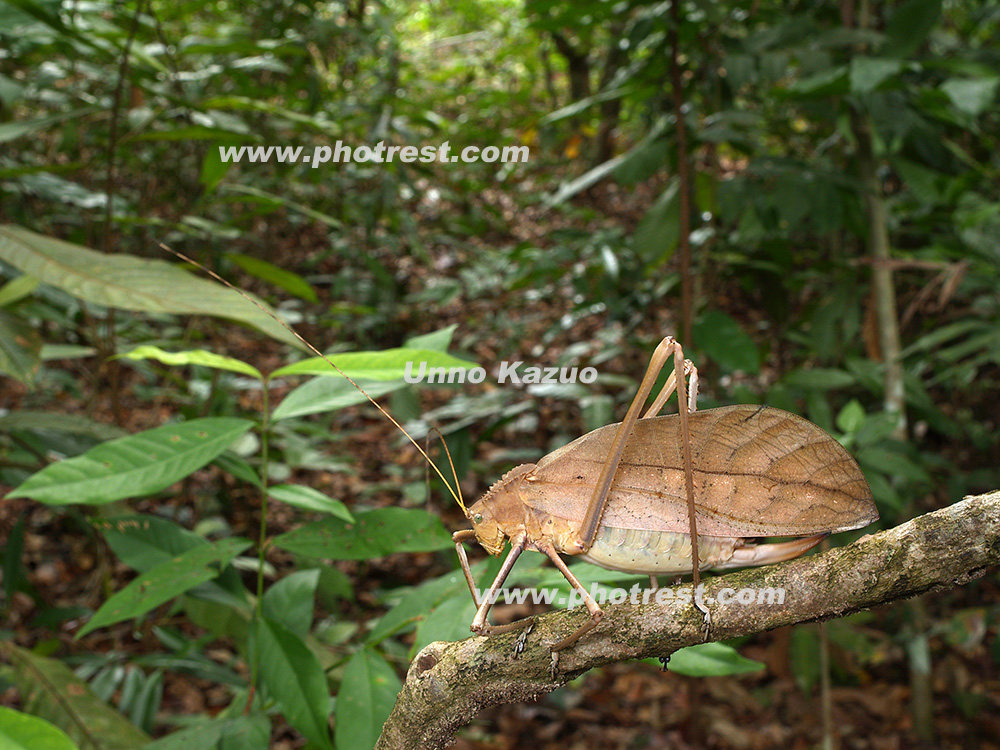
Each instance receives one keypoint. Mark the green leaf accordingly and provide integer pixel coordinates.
(658, 233)
(711, 660)
(257, 195)
(166, 581)
(909, 26)
(724, 341)
(389, 364)
(11, 130)
(291, 601)
(377, 533)
(279, 277)
(50, 690)
(294, 678)
(142, 542)
(20, 348)
(868, 72)
(973, 96)
(213, 169)
(23, 732)
(819, 378)
(309, 499)
(826, 83)
(329, 394)
(135, 465)
(247, 732)
(438, 341)
(17, 289)
(131, 283)
(366, 697)
(450, 620)
(70, 424)
(192, 357)
(418, 601)
(851, 417)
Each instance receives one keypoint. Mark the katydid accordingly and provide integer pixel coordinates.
(661, 495)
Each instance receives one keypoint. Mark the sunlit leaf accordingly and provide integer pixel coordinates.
(25, 732)
(193, 357)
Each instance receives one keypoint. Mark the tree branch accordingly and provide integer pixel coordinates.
(448, 683)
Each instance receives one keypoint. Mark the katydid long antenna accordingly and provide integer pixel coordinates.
(456, 493)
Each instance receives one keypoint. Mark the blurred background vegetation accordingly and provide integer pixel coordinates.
(807, 194)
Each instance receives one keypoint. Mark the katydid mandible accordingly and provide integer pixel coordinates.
(646, 495)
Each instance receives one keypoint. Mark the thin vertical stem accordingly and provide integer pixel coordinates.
(683, 172)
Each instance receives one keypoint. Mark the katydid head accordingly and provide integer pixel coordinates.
(498, 513)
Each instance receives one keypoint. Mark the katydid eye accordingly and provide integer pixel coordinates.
(478, 518)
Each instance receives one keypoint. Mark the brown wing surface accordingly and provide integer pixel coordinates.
(758, 471)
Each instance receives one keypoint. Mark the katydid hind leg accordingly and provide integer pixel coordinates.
(596, 613)
(595, 510)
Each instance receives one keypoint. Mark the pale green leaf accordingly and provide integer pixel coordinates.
(329, 394)
(25, 732)
(973, 96)
(389, 364)
(193, 357)
(130, 283)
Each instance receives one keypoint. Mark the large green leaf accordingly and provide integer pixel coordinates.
(131, 283)
(49, 689)
(24, 732)
(135, 465)
(365, 700)
(377, 533)
(294, 678)
(165, 581)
